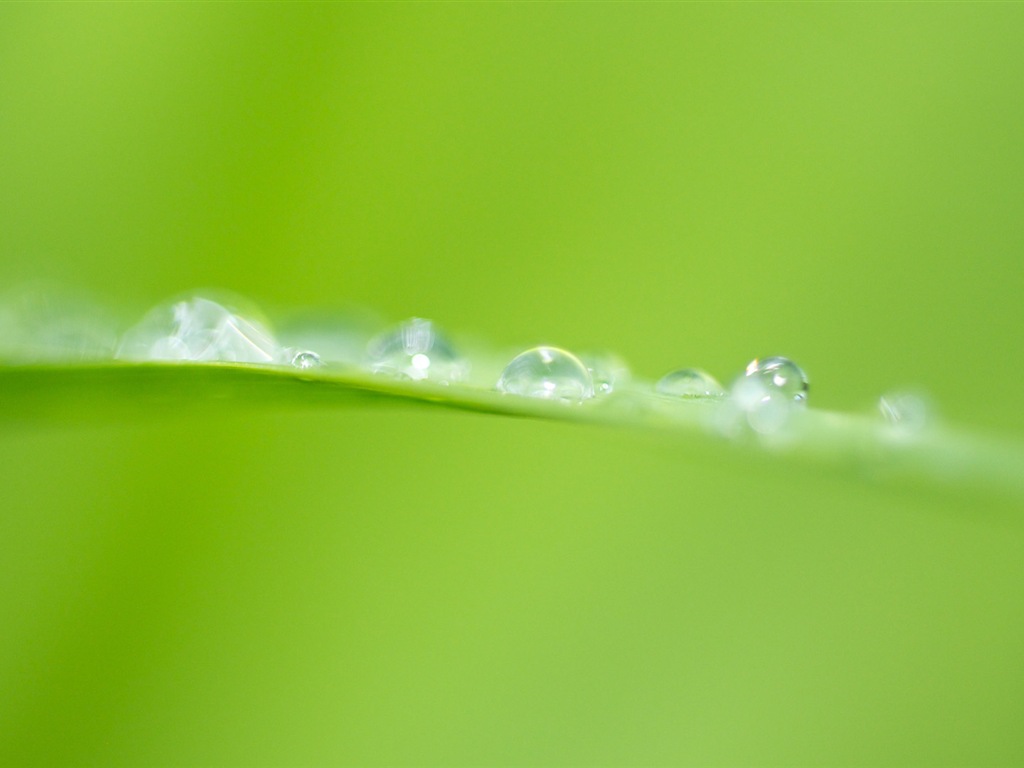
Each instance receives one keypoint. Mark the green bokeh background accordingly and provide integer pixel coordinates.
(685, 184)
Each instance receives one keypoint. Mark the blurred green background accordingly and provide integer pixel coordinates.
(685, 184)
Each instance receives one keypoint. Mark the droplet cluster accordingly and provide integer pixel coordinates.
(211, 327)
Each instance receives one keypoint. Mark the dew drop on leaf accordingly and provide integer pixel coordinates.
(782, 375)
(549, 373)
(305, 359)
(202, 330)
(689, 383)
(417, 350)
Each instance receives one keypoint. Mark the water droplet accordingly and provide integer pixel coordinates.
(782, 375)
(689, 383)
(306, 359)
(608, 371)
(202, 330)
(549, 373)
(417, 350)
(905, 411)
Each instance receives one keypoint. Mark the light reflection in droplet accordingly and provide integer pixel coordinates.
(782, 375)
(548, 373)
(417, 350)
(306, 359)
(200, 329)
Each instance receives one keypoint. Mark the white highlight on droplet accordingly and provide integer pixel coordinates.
(548, 373)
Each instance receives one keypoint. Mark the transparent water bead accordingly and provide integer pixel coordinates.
(305, 359)
(549, 373)
(417, 350)
(782, 375)
(690, 383)
(201, 330)
(608, 371)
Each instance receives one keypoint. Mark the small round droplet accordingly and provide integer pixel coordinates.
(782, 375)
(549, 373)
(417, 350)
(689, 383)
(202, 330)
(306, 359)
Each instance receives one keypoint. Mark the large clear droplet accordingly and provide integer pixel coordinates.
(417, 350)
(201, 330)
(689, 383)
(549, 373)
(782, 375)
